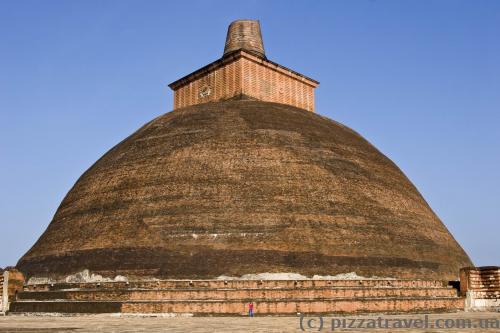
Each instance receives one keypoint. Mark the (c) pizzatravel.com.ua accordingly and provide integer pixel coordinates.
(320, 323)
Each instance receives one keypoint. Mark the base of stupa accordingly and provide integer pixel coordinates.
(231, 297)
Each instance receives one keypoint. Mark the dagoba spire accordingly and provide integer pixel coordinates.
(244, 71)
(245, 35)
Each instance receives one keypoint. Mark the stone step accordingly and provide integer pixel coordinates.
(239, 284)
(235, 307)
(225, 294)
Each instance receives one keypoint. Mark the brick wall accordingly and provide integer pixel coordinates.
(481, 285)
(218, 84)
(266, 84)
(243, 73)
(1, 291)
(11, 282)
(231, 297)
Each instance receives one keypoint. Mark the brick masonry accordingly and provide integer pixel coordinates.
(242, 73)
(11, 282)
(481, 285)
(282, 188)
(231, 297)
(1, 291)
(244, 34)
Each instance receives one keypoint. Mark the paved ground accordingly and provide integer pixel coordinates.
(114, 323)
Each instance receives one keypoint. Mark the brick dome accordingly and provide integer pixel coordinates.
(241, 187)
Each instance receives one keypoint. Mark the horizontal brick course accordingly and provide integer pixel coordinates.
(239, 307)
(231, 294)
(241, 284)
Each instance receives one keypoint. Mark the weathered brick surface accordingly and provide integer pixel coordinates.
(244, 70)
(239, 307)
(246, 35)
(245, 74)
(242, 284)
(1, 291)
(221, 83)
(233, 294)
(264, 83)
(270, 297)
(481, 285)
(11, 282)
(245, 187)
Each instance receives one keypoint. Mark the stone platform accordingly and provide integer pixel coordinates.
(231, 297)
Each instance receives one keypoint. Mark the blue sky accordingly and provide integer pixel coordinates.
(419, 79)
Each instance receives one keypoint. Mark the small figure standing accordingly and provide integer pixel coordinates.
(250, 309)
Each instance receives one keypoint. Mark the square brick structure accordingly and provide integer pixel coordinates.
(244, 70)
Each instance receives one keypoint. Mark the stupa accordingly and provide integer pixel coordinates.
(243, 177)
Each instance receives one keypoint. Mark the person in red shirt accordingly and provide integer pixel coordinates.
(250, 309)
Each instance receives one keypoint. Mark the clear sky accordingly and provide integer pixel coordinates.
(419, 79)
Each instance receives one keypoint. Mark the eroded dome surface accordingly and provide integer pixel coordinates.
(245, 187)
